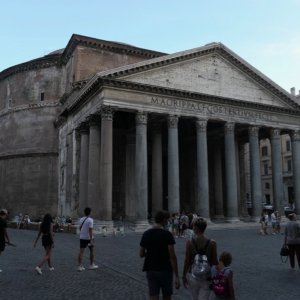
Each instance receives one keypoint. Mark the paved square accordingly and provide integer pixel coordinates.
(258, 270)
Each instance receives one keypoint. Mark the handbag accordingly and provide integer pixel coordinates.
(284, 252)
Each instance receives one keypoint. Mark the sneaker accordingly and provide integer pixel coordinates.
(51, 269)
(93, 267)
(81, 268)
(39, 270)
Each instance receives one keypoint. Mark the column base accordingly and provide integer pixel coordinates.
(103, 228)
(254, 218)
(232, 220)
(218, 218)
(140, 226)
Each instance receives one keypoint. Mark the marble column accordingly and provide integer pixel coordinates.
(231, 176)
(295, 137)
(76, 174)
(104, 210)
(157, 175)
(130, 178)
(218, 180)
(173, 165)
(255, 173)
(83, 168)
(242, 171)
(94, 158)
(202, 202)
(141, 171)
(69, 175)
(277, 170)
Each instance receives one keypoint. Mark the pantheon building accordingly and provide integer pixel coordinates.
(129, 131)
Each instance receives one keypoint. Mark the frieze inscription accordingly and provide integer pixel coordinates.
(211, 109)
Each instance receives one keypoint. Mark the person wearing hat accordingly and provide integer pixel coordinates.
(3, 232)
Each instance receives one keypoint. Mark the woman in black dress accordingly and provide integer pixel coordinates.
(46, 230)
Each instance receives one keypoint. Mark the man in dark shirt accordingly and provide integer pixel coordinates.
(157, 246)
(3, 233)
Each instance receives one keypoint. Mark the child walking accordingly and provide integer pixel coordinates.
(222, 278)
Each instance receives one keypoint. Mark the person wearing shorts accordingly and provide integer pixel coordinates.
(46, 231)
(157, 246)
(86, 225)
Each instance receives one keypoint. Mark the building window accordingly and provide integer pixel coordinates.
(42, 96)
(288, 146)
(264, 151)
(267, 185)
(289, 165)
(266, 167)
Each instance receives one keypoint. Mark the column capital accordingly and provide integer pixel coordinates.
(141, 118)
(94, 120)
(107, 113)
(83, 128)
(295, 135)
(275, 133)
(172, 121)
(77, 134)
(253, 131)
(229, 127)
(201, 124)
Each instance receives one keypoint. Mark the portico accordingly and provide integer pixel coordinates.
(153, 136)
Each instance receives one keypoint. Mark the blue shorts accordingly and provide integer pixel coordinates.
(160, 280)
(84, 243)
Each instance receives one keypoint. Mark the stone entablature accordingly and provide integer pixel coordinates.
(214, 108)
(165, 93)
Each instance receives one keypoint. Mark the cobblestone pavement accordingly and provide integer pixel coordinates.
(258, 270)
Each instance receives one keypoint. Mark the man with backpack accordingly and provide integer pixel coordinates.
(200, 255)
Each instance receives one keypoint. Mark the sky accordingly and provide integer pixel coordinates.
(265, 33)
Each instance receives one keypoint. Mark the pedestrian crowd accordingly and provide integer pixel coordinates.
(46, 233)
(270, 217)
(205, 274)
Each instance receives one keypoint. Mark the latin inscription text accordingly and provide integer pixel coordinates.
(211, 109)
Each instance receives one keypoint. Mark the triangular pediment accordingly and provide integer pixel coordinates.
(212, 70)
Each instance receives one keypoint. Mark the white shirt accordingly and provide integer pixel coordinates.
(84, 232)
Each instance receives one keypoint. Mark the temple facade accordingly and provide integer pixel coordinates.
(135, 131)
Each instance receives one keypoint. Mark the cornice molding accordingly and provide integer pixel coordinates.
(29, 107)
(4, 156)
(39, 63)
(59, 59)
(213, 49)
(100, 83)
(259, 79)
(106, 45)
